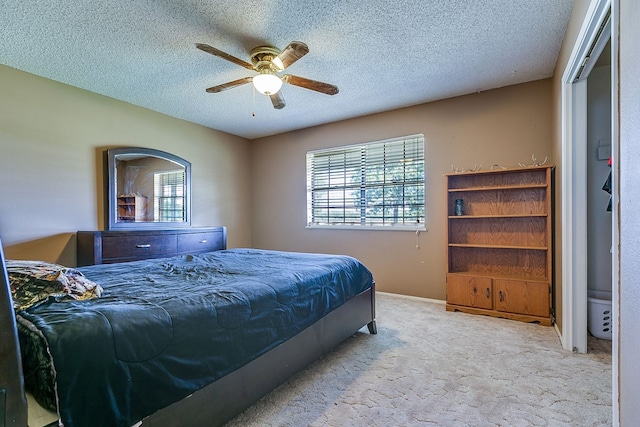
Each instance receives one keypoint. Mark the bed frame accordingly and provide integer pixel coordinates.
(13, 403)
(220, 401)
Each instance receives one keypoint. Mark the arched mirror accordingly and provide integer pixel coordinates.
(147, 188)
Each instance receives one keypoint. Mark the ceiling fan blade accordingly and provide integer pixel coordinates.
(277, 99)
(321, 87)
(223, 55)
(290, 54)
(229, 85)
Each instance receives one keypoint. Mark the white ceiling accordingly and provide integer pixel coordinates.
(382, 54)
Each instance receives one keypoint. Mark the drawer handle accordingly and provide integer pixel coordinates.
(143, 246)
(488, 293)
(501, 296)
(203, 241)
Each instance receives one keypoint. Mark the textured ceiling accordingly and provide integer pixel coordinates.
(382, 54)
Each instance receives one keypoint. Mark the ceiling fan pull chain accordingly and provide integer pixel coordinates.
(253, 114)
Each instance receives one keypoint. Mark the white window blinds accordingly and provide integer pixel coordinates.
(169, 196)
(377, 184)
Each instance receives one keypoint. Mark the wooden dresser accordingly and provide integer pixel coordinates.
(500, 246)
(107, 247)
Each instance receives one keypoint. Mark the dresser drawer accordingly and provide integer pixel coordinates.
(138, 246)
(199, 242)
(106, 247)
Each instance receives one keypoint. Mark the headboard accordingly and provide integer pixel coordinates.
(13, 404)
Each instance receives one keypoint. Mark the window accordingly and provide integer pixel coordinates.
(168, 204)
(377, 184)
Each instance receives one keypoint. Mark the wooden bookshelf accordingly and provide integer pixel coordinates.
(131, 208)
(499, 254)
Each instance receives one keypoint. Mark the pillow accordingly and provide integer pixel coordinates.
(33, 282)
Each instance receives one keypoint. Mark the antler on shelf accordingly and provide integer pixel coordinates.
(476, 167)
(535, 162)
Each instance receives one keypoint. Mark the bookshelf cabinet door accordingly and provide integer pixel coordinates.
(517, 296)
(469, 291)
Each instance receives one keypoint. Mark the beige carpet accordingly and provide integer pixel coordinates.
(429, 367)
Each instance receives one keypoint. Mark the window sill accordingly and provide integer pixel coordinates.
(412, 228)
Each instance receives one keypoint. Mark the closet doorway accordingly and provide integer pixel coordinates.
(592, 41)
(599, 203)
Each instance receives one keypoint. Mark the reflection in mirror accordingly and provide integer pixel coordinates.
(147, 188)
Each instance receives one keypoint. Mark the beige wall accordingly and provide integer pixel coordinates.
(52, 136)
(51, 141)
(504, 126)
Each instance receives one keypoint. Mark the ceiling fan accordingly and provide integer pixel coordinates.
(268, 61)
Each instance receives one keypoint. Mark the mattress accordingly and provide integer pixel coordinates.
(165, 328)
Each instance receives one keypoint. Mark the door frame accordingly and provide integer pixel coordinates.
(574, 180)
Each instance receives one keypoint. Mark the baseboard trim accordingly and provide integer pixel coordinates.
(435, 301)
(560, 336)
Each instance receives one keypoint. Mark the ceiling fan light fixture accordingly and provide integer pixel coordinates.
(267, 84)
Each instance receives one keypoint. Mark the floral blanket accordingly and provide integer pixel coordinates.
(33, 282)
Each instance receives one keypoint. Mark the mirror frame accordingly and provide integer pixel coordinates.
(111, 193)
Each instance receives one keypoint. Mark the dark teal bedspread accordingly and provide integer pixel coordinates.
(166, 328)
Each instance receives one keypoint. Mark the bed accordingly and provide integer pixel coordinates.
(188, 340)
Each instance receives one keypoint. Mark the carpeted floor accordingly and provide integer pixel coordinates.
(429, 367)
